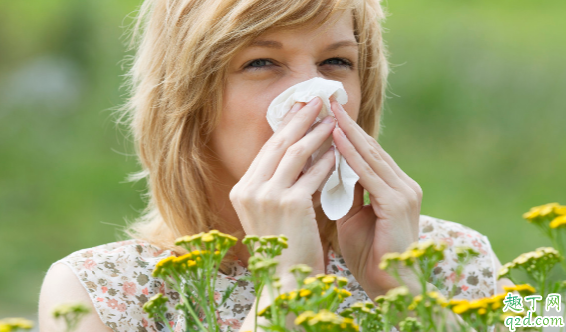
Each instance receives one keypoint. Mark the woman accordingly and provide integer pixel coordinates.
(203, 77)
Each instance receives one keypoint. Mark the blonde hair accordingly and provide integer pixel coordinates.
(175, 87)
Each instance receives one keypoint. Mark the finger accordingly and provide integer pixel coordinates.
(311, 180)
(270, 155)
(297, 154)
(389, 160)
(369, 178)
(287, 118)
(412, 183)
(357, 205)
(357, 136)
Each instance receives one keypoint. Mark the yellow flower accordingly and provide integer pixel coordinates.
(560, 210)
(304, 317)
(207, 238)
(532, 214)
(478, 304)
(540, 211)
(387, 258)
(263, 311)
(456, 301)
(328, 279)
(558, 221)
(482, 311)
(520, 288)
(548, 208)
(309, 280)
(304, 292)
(342, 281)
(415, 302)
(348, 321)
(406, 256)
(163, 265)
(523, 258)
(12, 324)
(283, 243)
(461, 308)
(434, 295)
(292, 294)
(417, 253)
(496, 305)
(496, 300)
(325, 316)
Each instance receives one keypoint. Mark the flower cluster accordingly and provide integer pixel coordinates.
(212, 241)
(429, 300)
(524, 289)
(416, 251)
(544, 212)
(193, 275)
(324, 291)
(420, 258)
(315, 300)
(71, 313)
(155, 306)
(267, 246)
(366, 314)
(325, 320)
(410, 324)
(14, 324)
(542, 260)
(478, 314)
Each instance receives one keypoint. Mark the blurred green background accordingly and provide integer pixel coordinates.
(475, 114)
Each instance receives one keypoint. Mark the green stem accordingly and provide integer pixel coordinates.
(165, 321)
(211, 290)
(274, 311)
(258, 293)
(190, 309)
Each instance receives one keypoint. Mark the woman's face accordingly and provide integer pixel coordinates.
(259, 73)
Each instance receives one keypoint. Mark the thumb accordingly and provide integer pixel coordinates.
(356, 206)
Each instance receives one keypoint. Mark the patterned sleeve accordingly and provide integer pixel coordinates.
(478, 279)
(118, 279)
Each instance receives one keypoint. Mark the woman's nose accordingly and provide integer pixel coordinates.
(303, 77)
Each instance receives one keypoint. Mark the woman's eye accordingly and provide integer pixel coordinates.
(257, 63)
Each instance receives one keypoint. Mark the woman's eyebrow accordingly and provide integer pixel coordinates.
(277, 45)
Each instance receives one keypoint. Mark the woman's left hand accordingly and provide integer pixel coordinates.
(390, 223)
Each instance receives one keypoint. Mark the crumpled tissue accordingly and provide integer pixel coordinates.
(337, 191)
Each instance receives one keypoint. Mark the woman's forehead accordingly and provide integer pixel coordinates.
(337, 32)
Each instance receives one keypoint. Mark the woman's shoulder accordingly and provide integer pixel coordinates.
(116, 257)
(117, 277)
(478, 277)
(452, 233)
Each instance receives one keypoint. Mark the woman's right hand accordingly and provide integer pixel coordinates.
(271, 198)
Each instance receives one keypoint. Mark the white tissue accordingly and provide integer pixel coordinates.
(337, 191)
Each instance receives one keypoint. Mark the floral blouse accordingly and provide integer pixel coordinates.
(118, 278)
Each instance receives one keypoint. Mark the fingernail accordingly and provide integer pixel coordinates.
(340, 108)
(328, 119)
(314, 101)
(295, 108)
